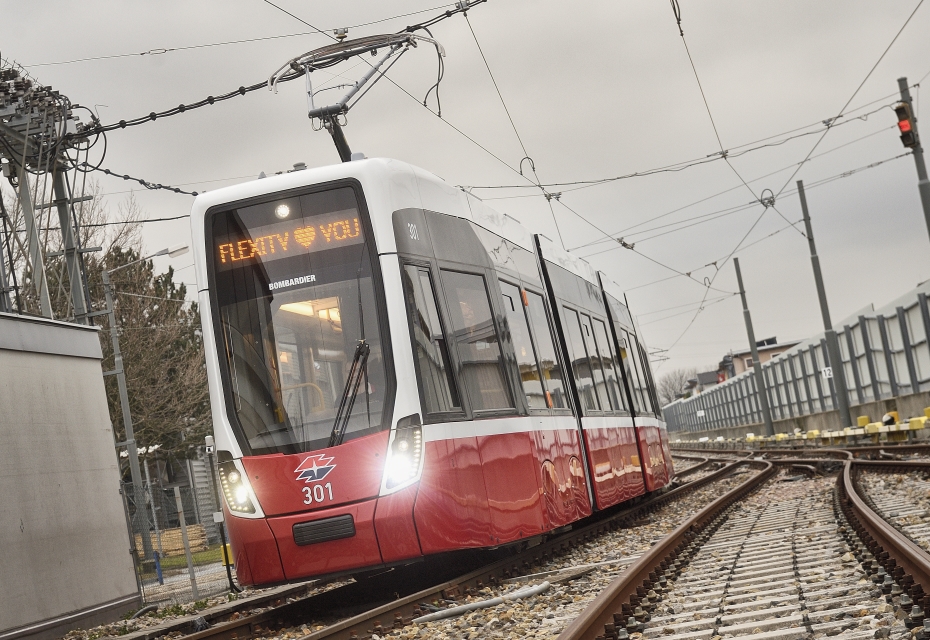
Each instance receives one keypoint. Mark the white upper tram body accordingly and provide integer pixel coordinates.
(537, 472)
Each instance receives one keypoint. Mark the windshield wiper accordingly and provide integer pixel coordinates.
(349, 393)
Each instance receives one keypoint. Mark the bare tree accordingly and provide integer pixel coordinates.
(673, 383)
(159, 329)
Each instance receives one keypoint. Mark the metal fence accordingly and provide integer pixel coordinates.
(885, 354)
(178, 552)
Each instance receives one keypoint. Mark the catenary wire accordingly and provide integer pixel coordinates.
(852, 97)
(626, 230)
(723, 152)
(710, 302)
(701, 307)
(526, 155)
(145, 183)
(163, 50)
(640, 253)
(243, 90)
(679, 306)
(685, 164)
(719, 264)
(738, 247)
(715, 215)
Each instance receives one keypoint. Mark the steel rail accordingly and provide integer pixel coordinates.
(889, 447)
(857, 451)
(403, 609)
(833, 452)
(900, 557)
(890, 466)
(700, 465)
(603, 614)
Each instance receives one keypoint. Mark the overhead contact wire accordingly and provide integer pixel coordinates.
(851, 98)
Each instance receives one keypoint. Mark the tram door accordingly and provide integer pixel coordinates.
(451, 509)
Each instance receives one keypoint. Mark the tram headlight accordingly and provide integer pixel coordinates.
(405, 455)
(236, 489)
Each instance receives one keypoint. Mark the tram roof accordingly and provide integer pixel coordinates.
(390, 185)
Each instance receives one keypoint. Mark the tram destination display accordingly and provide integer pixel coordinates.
(291, 237)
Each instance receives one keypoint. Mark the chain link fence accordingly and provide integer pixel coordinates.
(179, 556)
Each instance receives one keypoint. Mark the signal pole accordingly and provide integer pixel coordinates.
(833, 346)
(761, 391)
(923, 184)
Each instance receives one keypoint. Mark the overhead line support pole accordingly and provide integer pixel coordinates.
(36, 259)
(141, 516)
(833, 346)
(6, 303)
(761, 391)
(70, 244)
(923, 184)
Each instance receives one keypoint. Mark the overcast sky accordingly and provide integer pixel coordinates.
(596, 89)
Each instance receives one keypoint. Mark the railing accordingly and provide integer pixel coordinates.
(885, 354)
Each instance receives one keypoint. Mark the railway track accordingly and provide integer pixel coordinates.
(902, 500)
(808, 559)
(899, 491)
(685, 463)
(872, 452)
(768, 559)
(373, 606)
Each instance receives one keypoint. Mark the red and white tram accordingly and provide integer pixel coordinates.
(397, 370)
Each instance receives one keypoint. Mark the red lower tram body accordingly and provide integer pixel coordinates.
(397, 371)
(475, 491)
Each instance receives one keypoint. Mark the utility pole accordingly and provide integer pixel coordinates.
(6, 303)
(36, 259)
(838, 378)
(761, 391)
(923, 184)
(132, 450)
(142, 520)
(71, 245)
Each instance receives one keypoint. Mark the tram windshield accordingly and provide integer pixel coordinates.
(294, 296)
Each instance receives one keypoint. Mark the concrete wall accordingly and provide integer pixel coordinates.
(64, 546)
(907, 407)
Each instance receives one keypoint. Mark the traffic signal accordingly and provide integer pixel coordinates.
(906, 124)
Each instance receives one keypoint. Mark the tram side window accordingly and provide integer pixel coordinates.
(545, 351)
(476, 341)
(643, 385)
(597, 365)
(650, 381)
(523, 347)
(580, 364)
(432, 353)
(630, 371)
(606, 348)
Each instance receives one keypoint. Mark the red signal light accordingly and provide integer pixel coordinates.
(906, 124)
